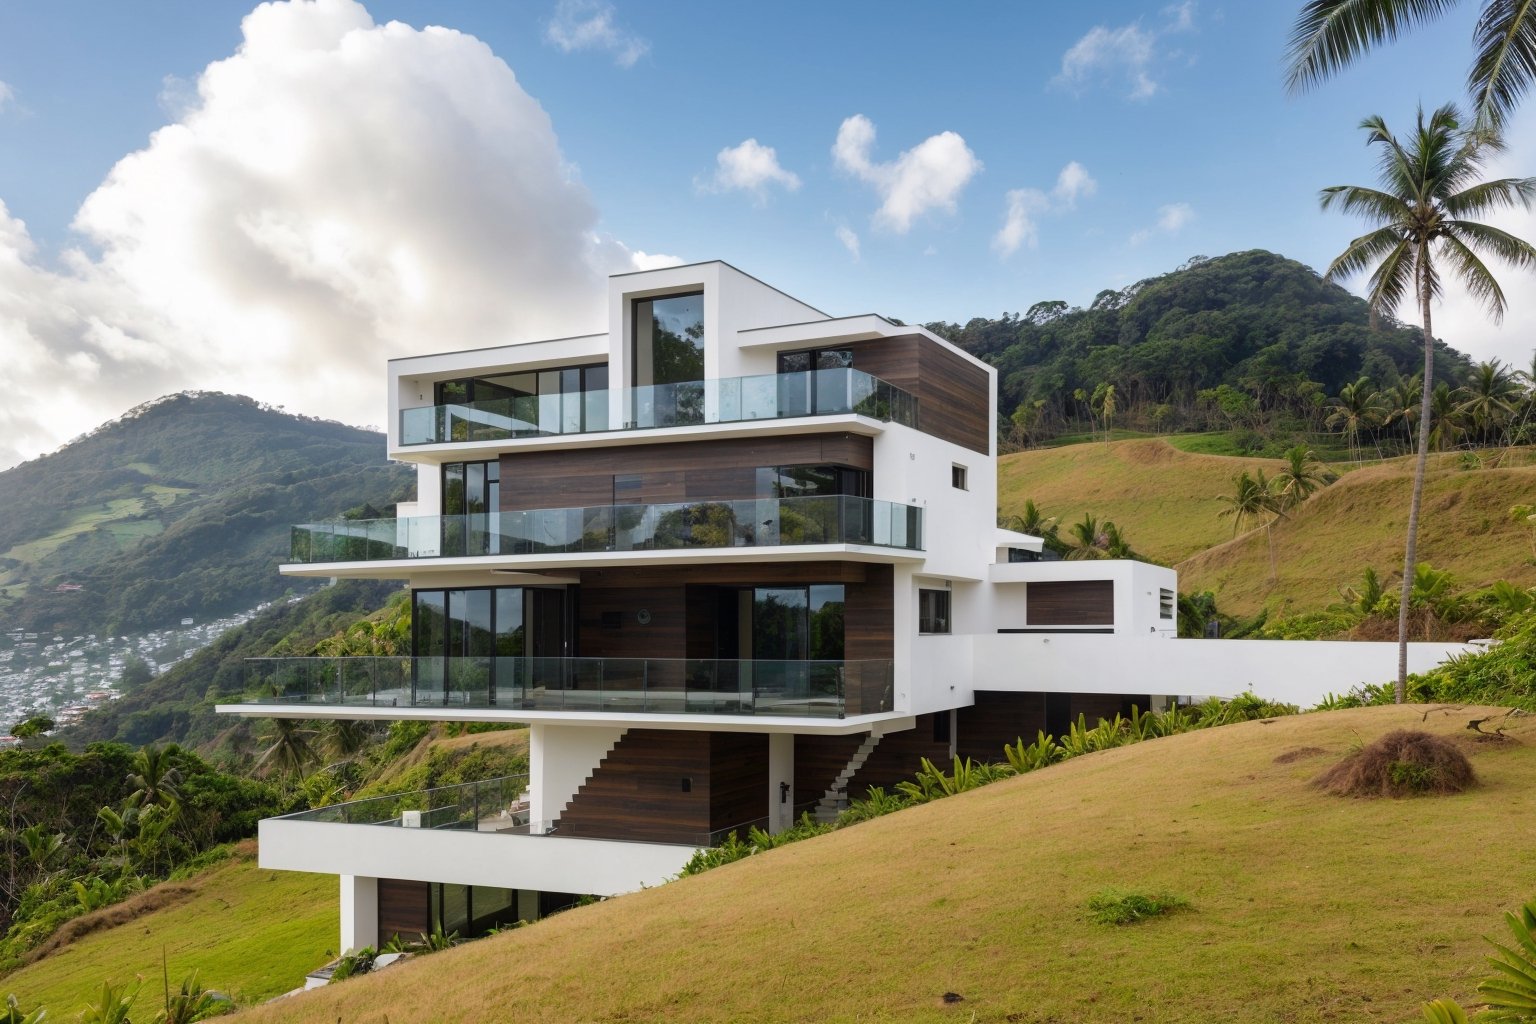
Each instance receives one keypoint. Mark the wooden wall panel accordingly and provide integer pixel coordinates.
(997, 720)
(602, 605)
(686, 470)
(403, 907)
(953, 394)
(636, 791)
(746, 574)
(819, 760)
(1071, 603)
(1094, 706)
(738, 780)
(899, 756)
(869, 616)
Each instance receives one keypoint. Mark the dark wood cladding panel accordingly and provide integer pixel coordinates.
(738, 780)
(869, 616)
(746, 574)
(684, 471)
(403, 909)
(1071, 603)
(899, 756)
(1094, 706)
(608, 623)
(819, 760)
(997, 720)
(953, 394)
(636, 792)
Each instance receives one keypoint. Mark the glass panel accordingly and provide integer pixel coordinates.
(779, 628)
(429, 620)
(669, 340)
(595, 397)
(455, 909)
(826, 608)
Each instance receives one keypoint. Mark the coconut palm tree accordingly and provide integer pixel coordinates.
(1254, 499)
(1421, 230)
(1330, 34)
(1491, 393)
(1302, 475)
(288, 749)
(1445, 416)
(1357, 406)
(154, 778)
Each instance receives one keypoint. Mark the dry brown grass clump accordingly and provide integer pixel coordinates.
(1299, 754)
(146, 902)
(1404, 762)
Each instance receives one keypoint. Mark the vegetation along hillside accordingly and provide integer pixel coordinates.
(984, 895)
(182, 507)
(1235, 341)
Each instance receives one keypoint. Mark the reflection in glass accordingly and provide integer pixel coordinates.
(669, 340)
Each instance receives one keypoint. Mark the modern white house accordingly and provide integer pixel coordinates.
(732, 560)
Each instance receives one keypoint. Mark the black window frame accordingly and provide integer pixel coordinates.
(938, 621)
(634, 337)
(959, 477)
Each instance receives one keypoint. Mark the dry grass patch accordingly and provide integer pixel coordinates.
(1404, 762)
(147, 902)
(1299, 754)
(1309, 909)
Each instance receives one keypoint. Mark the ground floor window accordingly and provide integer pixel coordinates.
(469, 910)
(933, 611)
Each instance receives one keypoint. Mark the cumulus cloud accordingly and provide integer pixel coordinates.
(593, 25)
(1026, 205)
(339, 193)
(1171, 219)
(6, 95)
(750, 167)
(850, 240)
(929, 176)
(1129, 52)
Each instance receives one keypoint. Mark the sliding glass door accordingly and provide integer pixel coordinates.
(468, 642)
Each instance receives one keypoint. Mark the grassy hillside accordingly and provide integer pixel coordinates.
(251, 933)
(983, 895)
(1165, 500)
(1360, 521)
(180, 507)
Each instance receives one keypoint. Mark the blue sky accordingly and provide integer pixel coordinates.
(1176, 119)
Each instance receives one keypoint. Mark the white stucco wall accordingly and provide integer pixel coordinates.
(560, 759)
(545, 863)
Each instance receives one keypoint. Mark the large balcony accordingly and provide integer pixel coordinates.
(751, 523)
(769, 396)
(645, 686)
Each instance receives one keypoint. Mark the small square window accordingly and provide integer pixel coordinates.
(957, 477)
(1165, 603)
(933, 611)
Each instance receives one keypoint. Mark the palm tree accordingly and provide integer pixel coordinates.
(1033, 521)
(1491, 394)
(1302, 475)
(288, 751)
(154, 778)
(1357, 405)
(1444, 416)
(1088, 538)
(1254, 499)
(1420, 228)
(1330, 34)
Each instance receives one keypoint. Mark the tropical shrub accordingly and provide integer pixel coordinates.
(1116, 906)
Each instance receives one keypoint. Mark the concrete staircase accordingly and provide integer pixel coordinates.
(835, 800)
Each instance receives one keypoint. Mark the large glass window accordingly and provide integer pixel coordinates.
(459, 635)
(471, 498)
(933, 611)
(809, 481)
(669, 339)
(563, 400)
(815, 381)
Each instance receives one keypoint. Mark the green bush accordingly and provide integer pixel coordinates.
(1115, 906)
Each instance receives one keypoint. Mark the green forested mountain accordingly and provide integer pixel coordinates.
(182, 507)
(1267, 328)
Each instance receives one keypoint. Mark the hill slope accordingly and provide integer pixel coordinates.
(182, 507)
(1361, 521)
(1165, 500)
(982, 895)
(251, 933)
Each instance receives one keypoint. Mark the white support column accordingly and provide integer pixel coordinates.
(359, 912)
(781, 780)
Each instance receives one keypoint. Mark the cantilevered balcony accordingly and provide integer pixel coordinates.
(750, 523)
(769, 396)
(625, 686)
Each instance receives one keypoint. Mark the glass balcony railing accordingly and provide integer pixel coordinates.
(489, 807)
(752, 522)
(652, 686)
(767, 396)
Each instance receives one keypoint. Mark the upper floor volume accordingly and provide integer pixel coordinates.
(694, 351)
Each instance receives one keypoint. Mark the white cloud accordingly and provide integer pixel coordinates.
(750, 167)
(339, 193)
(850, 240)
(1026, 205)
(1171, 219)
(592, 25)
(6, 95)
(1129, 50)
(929, 176)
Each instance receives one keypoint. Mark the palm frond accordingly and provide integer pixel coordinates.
(1368, 202)
(1504, 193)
(1485, 240)
(1330, 34)
(1365, 251)
(1392, 280)
(1505, 62)
(1475, 276)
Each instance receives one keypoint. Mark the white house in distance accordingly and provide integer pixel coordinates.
(733, 559)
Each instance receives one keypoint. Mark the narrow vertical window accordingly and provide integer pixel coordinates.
(933, 611)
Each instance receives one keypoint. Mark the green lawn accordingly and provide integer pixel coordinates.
(251, 933)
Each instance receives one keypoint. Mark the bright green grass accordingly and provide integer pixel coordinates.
(248, 932)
